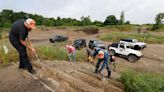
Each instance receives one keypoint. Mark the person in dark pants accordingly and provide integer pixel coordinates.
(18, 36)
(103, 55)
(89, 55)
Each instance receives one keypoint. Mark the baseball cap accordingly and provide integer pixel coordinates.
(31, 23)
(101, 54)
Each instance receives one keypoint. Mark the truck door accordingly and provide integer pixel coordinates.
(121, 49)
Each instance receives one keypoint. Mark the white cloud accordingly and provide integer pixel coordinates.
(137, 11)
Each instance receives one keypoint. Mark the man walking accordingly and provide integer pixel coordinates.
(18, 36)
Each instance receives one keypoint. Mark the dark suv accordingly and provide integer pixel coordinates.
(96, 43)
(58, 39)
(79, 43)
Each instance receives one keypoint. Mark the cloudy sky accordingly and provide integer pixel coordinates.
(136, 11)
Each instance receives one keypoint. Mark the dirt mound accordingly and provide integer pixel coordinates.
(89, 30)
(76, 77)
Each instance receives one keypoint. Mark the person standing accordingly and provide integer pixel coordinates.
(18, 36)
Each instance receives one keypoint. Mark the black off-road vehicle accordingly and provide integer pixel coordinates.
(58, 38)
(80, 43)
(96, 43)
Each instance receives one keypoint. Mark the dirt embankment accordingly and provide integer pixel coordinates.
(56, 76)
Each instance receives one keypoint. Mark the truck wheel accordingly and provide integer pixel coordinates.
(112, 52)
(51, 40)
(132, 58)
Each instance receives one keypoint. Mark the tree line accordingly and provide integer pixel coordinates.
(7, 17)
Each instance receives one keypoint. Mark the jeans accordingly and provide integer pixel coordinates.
(72, 56)
(24, 60)
(102, 67)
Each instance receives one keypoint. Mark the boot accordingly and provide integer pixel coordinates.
(96, 71)
(32, 71)
(109, 74)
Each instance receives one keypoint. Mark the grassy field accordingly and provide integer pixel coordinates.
(116, 36)
(123, 28)
(142, 82)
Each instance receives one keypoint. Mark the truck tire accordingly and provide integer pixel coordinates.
(109, 47)
(132, 58)
(51, 40)
(112, 52)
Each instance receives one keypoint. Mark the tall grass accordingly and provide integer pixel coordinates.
(116, 36)
(142, 82)
(51, 53)
(4, 31)
(58, 53)
(12, 56)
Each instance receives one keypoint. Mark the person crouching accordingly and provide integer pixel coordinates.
(71, 52)
(102, 55)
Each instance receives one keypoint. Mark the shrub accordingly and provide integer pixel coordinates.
(142, 82)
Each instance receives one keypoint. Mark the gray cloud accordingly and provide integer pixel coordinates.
(137, 11)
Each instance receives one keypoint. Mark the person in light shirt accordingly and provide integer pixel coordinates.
(71, 52)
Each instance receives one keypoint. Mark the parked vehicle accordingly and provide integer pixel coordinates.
(58, 39)
(134, 44)
(124, 50)
(96, 43)
(80, 43)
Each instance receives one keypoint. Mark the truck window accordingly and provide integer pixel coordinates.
(127, 46)
(122, 46)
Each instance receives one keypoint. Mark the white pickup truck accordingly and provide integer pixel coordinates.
(134, 44)
(124, 50)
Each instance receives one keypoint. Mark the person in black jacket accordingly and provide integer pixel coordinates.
(18, 36)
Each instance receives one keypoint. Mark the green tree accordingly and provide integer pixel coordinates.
(127, 22)
(85, 21)
(19, 15)
(158, 19)
(122, 18)
(6, 18)
(58, 22)
(49, 21)
(111, 20)
(38, 18)
(97, 23)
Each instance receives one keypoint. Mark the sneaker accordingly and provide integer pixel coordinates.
(32, 71)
